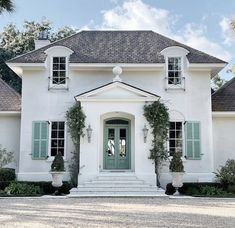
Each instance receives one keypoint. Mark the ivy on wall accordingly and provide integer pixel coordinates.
(157, 116)
(76, 123)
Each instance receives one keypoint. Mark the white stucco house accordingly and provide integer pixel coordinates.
(113, 74)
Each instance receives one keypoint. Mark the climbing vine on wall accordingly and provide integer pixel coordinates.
(157, 116)
(76, 123)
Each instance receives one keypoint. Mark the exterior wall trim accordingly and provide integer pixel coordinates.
(10, 113)
(223, 114)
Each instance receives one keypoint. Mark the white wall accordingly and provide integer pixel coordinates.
(10, 136)
(224, 139)
(39, 103)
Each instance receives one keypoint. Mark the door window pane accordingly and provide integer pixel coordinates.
(111, 142)
(122, 143)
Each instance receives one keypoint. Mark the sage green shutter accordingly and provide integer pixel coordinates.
(40, 139)
(192, 140)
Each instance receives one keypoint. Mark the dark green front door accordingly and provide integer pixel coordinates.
(116, 145)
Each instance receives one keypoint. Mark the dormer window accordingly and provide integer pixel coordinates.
(59, 70)
(174, 70)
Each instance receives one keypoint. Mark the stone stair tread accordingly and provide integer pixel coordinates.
(116, 186)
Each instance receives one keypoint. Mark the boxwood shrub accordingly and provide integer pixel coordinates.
(7, 174)
(45, 186)
(191, 188)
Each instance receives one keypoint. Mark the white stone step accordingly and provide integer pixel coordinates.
(112, 178)
(120, 185)
(116, 185)
(115, 182)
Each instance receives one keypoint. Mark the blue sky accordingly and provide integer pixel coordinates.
(201, 24)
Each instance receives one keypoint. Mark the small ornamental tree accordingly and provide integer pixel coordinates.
(157, 116)
(58, 163)
(176, 163)
(76, 123)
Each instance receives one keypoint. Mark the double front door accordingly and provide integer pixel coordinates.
(117, 145)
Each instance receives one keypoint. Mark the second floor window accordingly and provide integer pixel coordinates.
(174, 70)
(59, 70)
(175, 137)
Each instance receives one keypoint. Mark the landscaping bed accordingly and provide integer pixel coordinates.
(206, 189)
(26, 188)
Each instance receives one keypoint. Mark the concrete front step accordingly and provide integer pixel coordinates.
(113, 189)
(126, 182)
(116, 185)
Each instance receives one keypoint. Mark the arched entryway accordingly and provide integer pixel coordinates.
(117, 144)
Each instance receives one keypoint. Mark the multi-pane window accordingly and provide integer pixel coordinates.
(57, 137)
(174, 70)
(59, 70)
(175, 137)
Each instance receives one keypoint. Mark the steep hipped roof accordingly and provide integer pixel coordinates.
(224, 98)
(10, 100)
(116, 47)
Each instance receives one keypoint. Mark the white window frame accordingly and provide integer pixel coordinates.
(181, 65)
(58, 86)
(51, 158)
(183, 138)
(181, 85)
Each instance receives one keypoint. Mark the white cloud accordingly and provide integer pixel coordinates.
(137, 15)
(226, 28)
(194, 36)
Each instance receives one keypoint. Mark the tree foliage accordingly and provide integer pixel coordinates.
(14, 42)
(176, 163)
(5, 157)
(217, 82)
(76, 123)
(157, 116)
(6, 6)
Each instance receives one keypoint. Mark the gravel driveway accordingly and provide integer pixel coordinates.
(117, 212)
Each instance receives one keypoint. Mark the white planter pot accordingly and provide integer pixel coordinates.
(57, 178)
(177, 179)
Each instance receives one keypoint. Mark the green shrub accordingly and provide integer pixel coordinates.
(45, 186)
(7, 174)
(6, 157)
(190, 188)
(226, 174)
(25, 189)
(58, 163)
(176, 163)
(4, 184)
(211, 191)
(231, 189)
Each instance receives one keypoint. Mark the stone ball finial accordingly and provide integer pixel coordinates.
(117, 70)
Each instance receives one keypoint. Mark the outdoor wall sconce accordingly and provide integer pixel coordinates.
(145, 132)
(89, 131)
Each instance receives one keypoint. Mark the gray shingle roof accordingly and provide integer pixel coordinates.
(224, 98)
(10, 100)
(116, 47)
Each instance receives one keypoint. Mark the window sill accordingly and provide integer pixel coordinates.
(50, 159)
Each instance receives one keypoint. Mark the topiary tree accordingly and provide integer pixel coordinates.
(157, 116)
(76, 123)
(58, 163)
(176, 163)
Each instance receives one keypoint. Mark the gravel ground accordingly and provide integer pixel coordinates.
(117, 212)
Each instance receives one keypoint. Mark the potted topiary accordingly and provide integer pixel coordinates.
(57, 172)
(177, 171)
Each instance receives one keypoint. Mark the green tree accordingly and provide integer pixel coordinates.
(157, 116)
(14, 42)
(76, 123)
(6, 5)
(217, 82)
